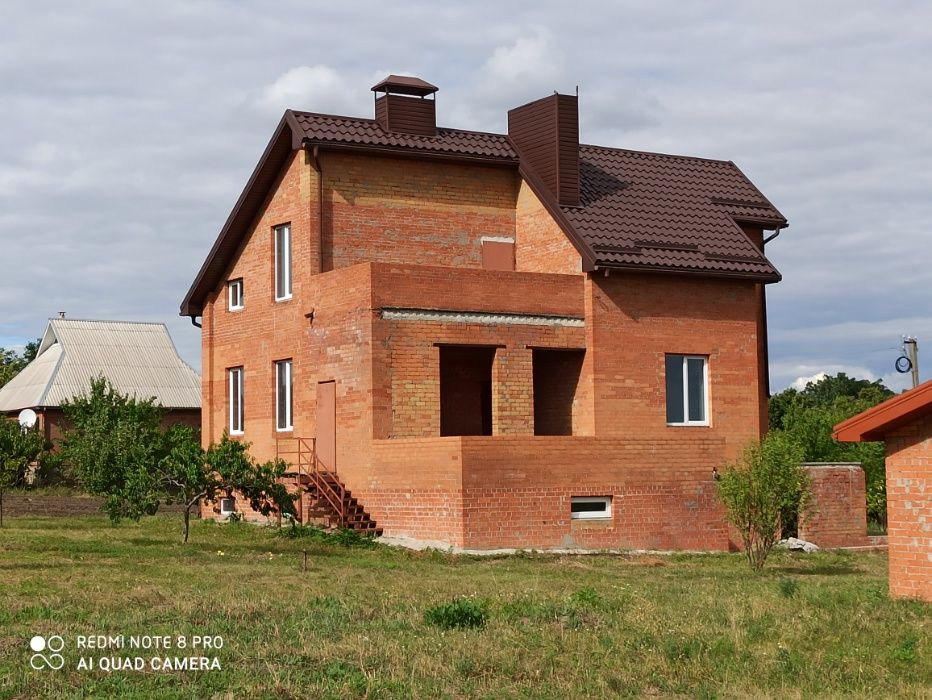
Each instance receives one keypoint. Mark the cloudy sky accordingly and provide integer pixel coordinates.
(129, 129)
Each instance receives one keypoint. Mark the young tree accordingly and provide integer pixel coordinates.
(188, 474)
(764, 487)
(18, 449)
(114, 444)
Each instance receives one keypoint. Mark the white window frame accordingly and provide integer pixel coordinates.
(282, 236)
(232, 285)
(284, 423)
(236, 376)
(227, 500)
(685, 397)
(605, 514)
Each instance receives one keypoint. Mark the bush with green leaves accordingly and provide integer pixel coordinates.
(18, 449)
(764, 488)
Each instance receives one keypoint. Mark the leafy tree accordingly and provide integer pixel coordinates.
(18, 449)
(114, 444)
(188, 474)
(807, 417)
(760, 490)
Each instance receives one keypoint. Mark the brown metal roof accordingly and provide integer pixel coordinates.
(637, 210)
(405, 85)
(657, 211)
(331, 129)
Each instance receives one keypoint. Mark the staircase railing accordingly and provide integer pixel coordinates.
(301, 453)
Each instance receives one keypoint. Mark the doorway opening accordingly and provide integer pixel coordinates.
(556, 377)
(466, 390)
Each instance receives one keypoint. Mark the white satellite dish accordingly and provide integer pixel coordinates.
(27, 418)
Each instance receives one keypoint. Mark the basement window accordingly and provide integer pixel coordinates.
(591, 508)
(235, 295)
(227, 506)
(687, 381)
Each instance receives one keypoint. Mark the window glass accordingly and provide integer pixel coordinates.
(283, 395)
(674, 374)
(282, 262)
(695, 378)
(236, 400)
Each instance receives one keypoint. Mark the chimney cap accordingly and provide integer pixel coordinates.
(405, 85)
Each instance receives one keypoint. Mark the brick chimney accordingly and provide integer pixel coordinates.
(407, 105)
(546, 134)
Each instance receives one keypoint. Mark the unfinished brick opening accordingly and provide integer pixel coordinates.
(556, 377)
(466, 391)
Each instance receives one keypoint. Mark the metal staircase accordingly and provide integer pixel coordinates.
(325, 491)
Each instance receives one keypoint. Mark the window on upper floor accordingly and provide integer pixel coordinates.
(283, 395)
(283, 262)
(235, 295)
(235, 400)
(687, 382)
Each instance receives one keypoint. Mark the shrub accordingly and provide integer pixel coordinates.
(458, 613)
(342, 536)
(761, 491)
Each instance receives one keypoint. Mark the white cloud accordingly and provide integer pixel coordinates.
(318, 88)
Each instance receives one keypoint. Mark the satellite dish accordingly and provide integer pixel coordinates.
(27, 418)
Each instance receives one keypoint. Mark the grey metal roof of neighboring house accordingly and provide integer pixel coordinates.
(139, 359)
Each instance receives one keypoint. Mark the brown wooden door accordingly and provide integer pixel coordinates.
(327, 424)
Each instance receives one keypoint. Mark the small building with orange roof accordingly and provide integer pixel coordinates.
(904, 423)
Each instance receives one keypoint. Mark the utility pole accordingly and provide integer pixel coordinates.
(912, 351)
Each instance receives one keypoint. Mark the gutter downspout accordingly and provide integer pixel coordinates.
(765, 345)
(194, 321)
(315, 160)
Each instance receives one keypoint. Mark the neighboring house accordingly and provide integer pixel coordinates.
(495, 340)
(139, 359)
(904, 423)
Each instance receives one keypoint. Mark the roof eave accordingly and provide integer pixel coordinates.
(408, 152)
(765, 277)
(241, 215)
(873, 424)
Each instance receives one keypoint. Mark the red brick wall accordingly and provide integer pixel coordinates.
(634, 320)
(516, 491)
(540, 244)
(837, 514)
(909, 510)
(412, 211)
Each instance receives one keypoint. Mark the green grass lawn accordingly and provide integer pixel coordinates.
(353, 624)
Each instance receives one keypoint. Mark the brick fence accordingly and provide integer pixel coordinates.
(26, 505)
(838, 511)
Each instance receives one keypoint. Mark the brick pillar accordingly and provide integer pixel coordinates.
(837, 514)
(512, 392)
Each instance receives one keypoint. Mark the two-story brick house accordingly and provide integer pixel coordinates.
(492, 340)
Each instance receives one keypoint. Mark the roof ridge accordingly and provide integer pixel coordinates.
(56, 319)
(656, 153)
(375, 122)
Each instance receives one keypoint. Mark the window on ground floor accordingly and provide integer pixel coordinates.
(466, 390)
(227, 506)
(235, 400)
(283, 397)
(687, 381)
(556, 378)
(591, 507)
